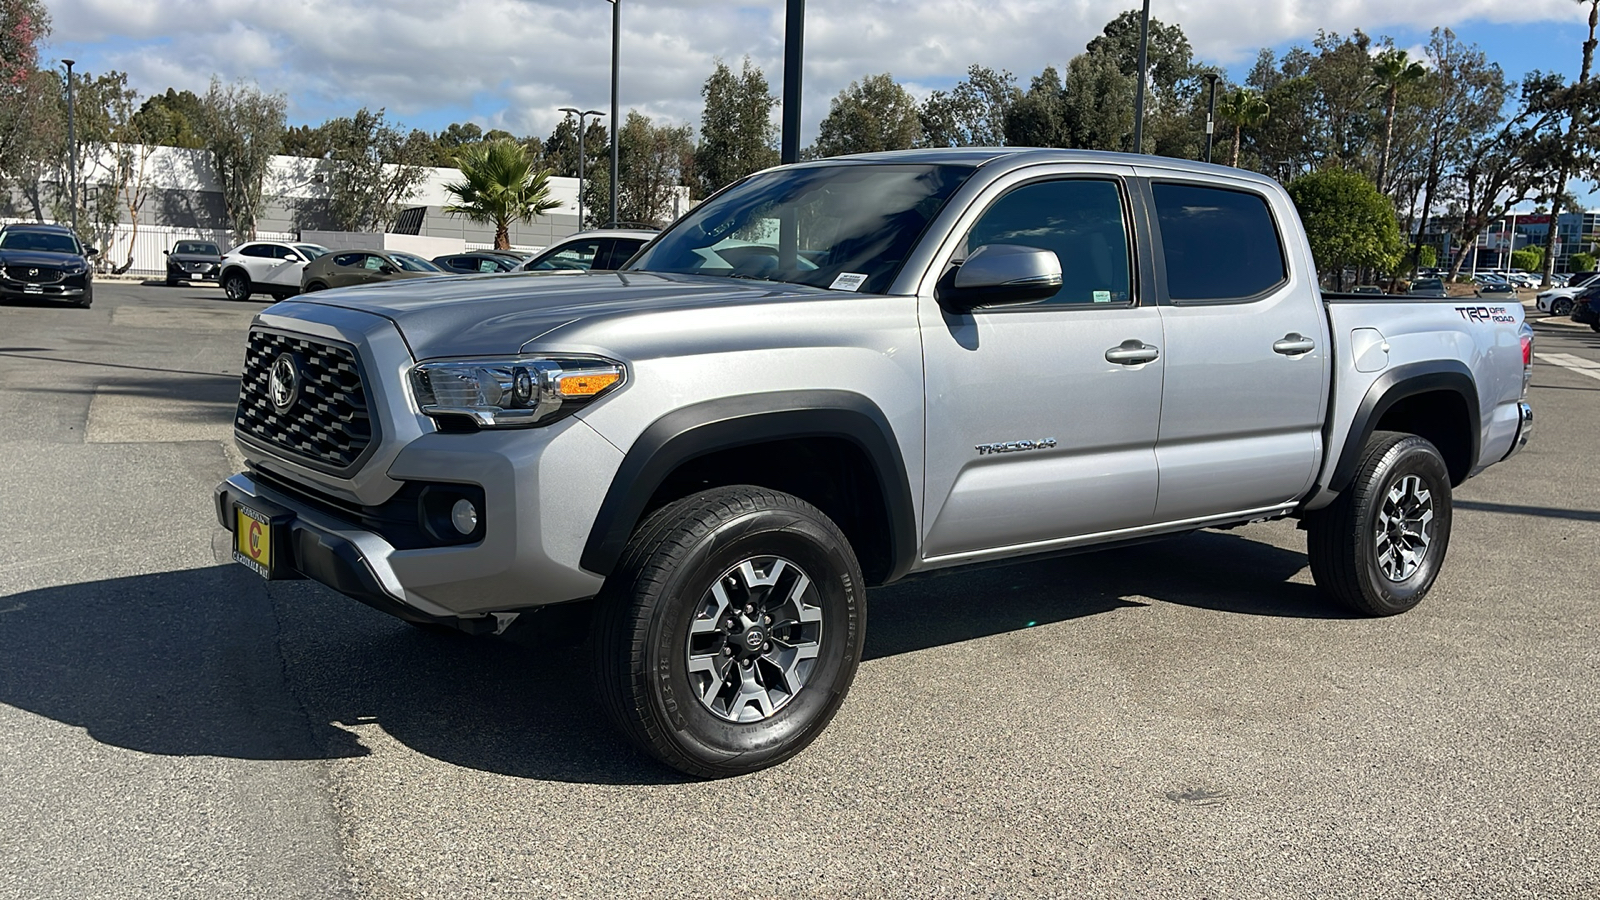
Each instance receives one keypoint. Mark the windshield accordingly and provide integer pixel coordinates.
(311, 251)
(41, 241)
(197, 247)
(413, 263)
(848, 227)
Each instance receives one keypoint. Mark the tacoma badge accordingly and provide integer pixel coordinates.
(1015, 446)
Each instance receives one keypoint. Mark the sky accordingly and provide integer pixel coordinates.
(513, 63)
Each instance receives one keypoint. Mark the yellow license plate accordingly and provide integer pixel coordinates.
(252, 541)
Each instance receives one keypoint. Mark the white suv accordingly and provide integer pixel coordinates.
(266, 267)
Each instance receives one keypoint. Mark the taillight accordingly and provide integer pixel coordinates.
(1527, 350)
(1527, 360)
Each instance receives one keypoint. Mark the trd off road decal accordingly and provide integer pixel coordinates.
(1485, 314)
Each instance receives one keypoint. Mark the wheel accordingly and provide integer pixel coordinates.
(1378, 547)
(172, 282)
(730, 631)
(236, 285)
(1561, 306)
(316, 286)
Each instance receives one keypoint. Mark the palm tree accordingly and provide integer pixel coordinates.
(1245, 109)
(1391, 69)
(501, 185)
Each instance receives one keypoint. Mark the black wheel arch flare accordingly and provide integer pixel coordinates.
(730, 422)
(1395, 385)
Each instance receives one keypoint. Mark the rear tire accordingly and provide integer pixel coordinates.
(1378, 548)
(315, 286)
(236, 285)
(1561, 306)
(730, 631)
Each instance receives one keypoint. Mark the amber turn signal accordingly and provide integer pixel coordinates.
(586, 384)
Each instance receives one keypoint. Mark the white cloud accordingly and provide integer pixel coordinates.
(511, 63)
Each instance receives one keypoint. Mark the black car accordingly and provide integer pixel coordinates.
(47, 262)
(193, 261)
(478, 261)
(1586, 307)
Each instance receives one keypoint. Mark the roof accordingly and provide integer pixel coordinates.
(37, 226)
(1020, 156)
(611, 233)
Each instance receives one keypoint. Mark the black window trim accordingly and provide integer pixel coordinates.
(1159, 260)
(1132, 227)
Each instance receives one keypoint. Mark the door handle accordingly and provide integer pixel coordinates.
(1132, 353)
(1294, 344)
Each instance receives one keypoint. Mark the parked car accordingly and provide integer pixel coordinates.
(590, 251)
(1428, 287)
(45, 262)
(266, 267)
(193, 261)
(347, 267)
(1498, 290)
(717, 450)
(478, 261)
(1366, 289)
(1586, 309)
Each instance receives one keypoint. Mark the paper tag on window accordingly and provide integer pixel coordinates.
(848, 281)
(1102, 296)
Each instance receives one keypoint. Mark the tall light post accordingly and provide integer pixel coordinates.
(1144, 63)
(571, 111)
(1211, 113)
(794, 34)
(616, 44)
(72, 149)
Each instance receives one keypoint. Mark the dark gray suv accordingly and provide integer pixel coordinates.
(46, 262)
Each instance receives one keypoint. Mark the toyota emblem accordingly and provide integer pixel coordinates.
(283, 383)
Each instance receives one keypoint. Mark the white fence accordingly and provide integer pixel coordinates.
(146, 248)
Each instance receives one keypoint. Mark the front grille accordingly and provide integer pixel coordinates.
(34, 274)
(327, 422)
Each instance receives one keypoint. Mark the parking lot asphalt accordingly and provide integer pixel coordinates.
(1182, 719)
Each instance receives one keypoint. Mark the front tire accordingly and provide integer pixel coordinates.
(1561, 307)
(236, 285)
(1378, 548)
(730, 631)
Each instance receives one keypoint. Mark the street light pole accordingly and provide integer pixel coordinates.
(794, 35)
(573, 110)
(1211, 113)
(1144, 61)
(616, 44)
(72, 149)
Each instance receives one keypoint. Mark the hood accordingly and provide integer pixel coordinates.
(478, 315)
(39, 258)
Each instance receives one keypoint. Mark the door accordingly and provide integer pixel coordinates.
(1247, 354)
(1042, 419)
(285, 266)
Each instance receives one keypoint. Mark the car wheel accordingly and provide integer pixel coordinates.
(730, 631)
(172, 282)
(316, 286)
(236, 285)
(1561, 306)
(1378, 547)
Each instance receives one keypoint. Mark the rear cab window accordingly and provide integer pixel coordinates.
(1219, 245)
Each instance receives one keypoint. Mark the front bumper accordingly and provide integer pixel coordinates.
(187, 273)
(70, 289)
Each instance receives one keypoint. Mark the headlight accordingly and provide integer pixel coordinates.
(74, 268)
(511, 392)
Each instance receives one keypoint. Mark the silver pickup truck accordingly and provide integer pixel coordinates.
(834, 375)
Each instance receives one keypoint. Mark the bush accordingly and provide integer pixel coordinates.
(1581, 262)
(1427, 256)
(1530, 259)
(1349, 223)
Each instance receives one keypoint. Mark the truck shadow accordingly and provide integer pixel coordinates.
(216, 662)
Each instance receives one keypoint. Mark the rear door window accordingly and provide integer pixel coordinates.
(1219, 244)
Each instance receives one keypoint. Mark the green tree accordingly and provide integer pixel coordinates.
(242, 127)
(653, 162)
(169, 119)
(500, 185)
(561, 148)
(1392, 69)
(971, 114)
(1173, 121)
(1349, 223)
(737, 134)
(1427, 256)
(870, 115)
(26, 94)
(370, 167)
(1098, 105)
(1576, 151)
(1039, 117)
(1242, 108)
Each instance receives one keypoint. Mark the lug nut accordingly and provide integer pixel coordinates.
(766, 620)
(746, 664)
(727, 651)
(767, 646)
(749, 607)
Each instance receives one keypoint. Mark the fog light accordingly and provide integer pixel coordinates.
(464, 516)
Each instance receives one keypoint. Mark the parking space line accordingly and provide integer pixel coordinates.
(1572, 363)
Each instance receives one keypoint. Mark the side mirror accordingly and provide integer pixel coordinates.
(90, 252)
(386, 270)
(166, 253)
(1002, 275)
(291, 258)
